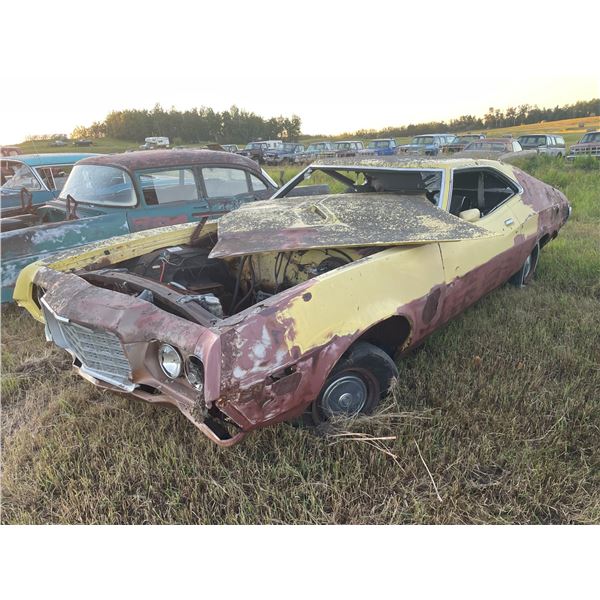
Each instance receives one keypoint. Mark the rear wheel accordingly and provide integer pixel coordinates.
(356, 385)
(525, 274)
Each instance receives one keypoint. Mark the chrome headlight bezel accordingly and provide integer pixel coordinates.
(194, 372)
(168, 354)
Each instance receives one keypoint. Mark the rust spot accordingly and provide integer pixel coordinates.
(307, 297)
(431, 305)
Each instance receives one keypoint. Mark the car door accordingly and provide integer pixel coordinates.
(474, 267)
(169, 196)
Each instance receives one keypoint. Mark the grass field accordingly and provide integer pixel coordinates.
(494, 420)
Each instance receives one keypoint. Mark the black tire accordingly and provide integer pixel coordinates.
(359, 381)
(525, 274)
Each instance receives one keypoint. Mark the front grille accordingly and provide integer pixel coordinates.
(98, 350)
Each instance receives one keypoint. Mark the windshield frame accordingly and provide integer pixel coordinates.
(284, 190)
(127, 174)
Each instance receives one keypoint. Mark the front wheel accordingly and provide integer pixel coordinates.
(358, 382)
(525, 274)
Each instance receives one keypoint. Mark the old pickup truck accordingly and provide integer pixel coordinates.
(117, 194)
(294, 307)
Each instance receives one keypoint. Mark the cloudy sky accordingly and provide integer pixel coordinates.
(341, 66)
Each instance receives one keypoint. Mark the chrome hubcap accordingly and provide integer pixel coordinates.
(345, 396)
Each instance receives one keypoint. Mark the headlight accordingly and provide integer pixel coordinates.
(194, 371)
(170, 361)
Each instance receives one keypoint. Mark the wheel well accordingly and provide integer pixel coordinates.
(547, 238)
(390, 334)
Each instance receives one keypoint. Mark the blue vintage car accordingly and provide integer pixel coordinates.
(109, 195)
(35, 178)
(429, 145)
(381, 147)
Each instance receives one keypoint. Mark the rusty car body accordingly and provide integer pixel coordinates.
(294, 308)
(108, 195)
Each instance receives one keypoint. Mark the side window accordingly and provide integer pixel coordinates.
(166, 186)
(257, 184)
(560, 141)
(482, 189)
(55, 177)
(45, 174)
(224, 182)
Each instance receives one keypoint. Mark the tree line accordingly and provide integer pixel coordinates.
(203, 124)
(192, 126)
(494, 118)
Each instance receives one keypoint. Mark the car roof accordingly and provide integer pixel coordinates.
(133, 161)
(398, 162)
(51, 158)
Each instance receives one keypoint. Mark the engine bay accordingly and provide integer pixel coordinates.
(183, 279)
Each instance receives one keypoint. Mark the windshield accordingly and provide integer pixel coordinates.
(422, 140)
(590, 137)
(343, 145)
(318, 147)
(18, 176)
(255, 146)
(96, 184)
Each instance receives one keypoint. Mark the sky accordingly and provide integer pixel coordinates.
(340, 66)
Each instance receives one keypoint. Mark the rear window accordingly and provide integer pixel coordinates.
(97, 184)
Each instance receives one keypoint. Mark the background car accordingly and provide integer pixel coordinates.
(256, 150)
(42, 176)
(460, 142)
(429, 145)
(108, 195)
(348, 148)
(492, 147)
(588, 145)
(380, 147)
(10, 151)
(314, 151)
(285, 154)
(551, 144)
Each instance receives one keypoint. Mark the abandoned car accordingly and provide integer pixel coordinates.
(347, 148)
(294, 308)
(284, 154)
(429, 145)
(492, 147)
(121, 193)
(588, 145)
(35, 178)
(552, 145)
(382, 147)
(460, 142)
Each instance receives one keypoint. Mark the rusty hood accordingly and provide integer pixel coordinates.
(340, 220)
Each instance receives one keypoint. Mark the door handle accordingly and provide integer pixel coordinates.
(509, 221)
